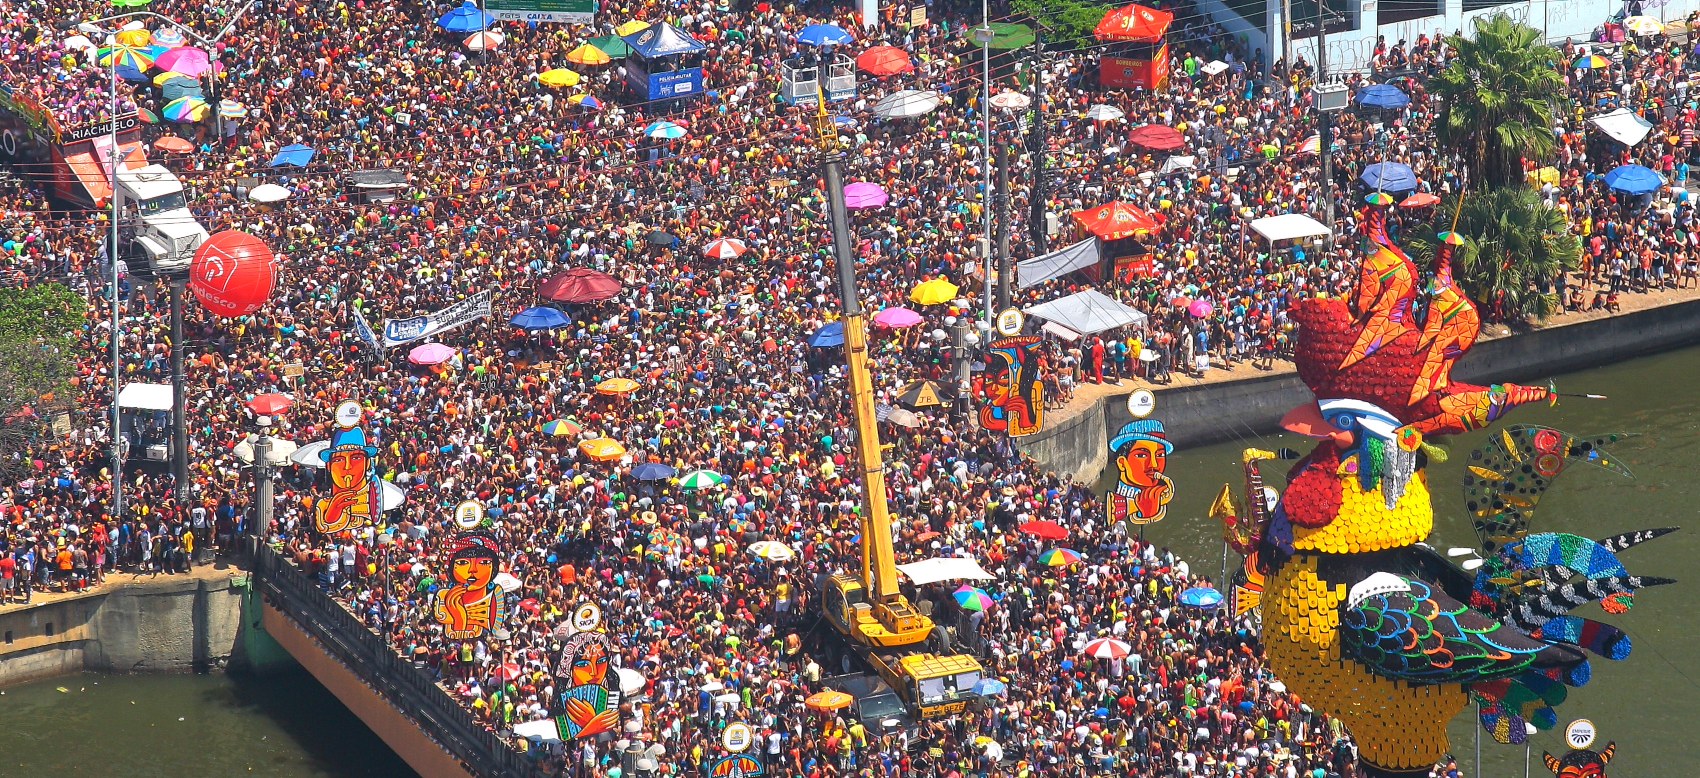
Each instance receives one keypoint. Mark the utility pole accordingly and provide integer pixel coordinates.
(1006, 283)
(1036, 146)
(179, 400)
(263, 500)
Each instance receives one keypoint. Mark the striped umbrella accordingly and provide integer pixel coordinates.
(169, 37)
(562, 428)
(772, 551)
(697, 480)
(586, 102)
(725, 248)
(1591, 62)
(134, 56)
(186, 109)
(972, 598)
(1108, 648)
(230, 109)
(1061, 557)
(665, 130)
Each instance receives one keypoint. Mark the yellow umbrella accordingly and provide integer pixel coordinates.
(938, 290)
(635, 25)
(602, 449)
(617, 386)
(829, 700)
(587, 54)
(559, 77)
(134, 37)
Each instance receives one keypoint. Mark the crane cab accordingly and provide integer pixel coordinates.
(873, 624)
(805, 77)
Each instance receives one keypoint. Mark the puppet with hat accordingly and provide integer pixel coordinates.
(354, 484)
(472, 603)
(1142, 492)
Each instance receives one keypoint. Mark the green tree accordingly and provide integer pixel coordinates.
(1067, 22)
(1498, 97)
(1515, 244)
(38, 327)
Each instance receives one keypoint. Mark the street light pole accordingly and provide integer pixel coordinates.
(117, 320)
(983, 36)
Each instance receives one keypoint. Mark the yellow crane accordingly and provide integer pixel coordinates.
(866, 606)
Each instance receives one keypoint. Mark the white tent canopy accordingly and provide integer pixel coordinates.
(1289, 226)
(1624, 126)
(944, 568)
(1057, 264)
(1088, 313)
(145, 397)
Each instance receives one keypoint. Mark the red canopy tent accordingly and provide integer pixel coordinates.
(1157, 137)
(579, 285)
(1145, 65)
(1114, 221)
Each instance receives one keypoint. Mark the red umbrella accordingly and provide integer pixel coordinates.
(1420, 200)
(507, 672)
(580, 285)
(1134, 23)
(1158, 137)
(1115, 221)
(270, 404)
(885, 61)
(1044, 530)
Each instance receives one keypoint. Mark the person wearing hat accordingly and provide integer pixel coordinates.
(353, 485)
(1142, 492)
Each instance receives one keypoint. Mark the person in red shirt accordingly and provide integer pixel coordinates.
(8, 577)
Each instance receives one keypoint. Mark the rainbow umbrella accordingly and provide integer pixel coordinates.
(186, 110)
(972, 598)
(1061, 557)
(698, 480)
(231, 109)
(562, 428)
(169, 37)
(1591, 62)
(134, 56)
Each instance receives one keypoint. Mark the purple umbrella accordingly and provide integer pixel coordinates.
(189, 61)
(896, 318)
(1200, 308)
(430, 354)
(862, 195)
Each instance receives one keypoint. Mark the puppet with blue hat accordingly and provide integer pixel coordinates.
(1142, 492)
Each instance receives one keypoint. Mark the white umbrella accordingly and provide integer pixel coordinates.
(506, 581)
(1011, 101)
(1644, 25)
(631, 681)
(78, 42)
(729, 698)
(309, 454)
(269, 193)
(1104, 113)
(906, 104)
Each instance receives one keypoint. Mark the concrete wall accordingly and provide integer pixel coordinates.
(164, 625)
(1211, 413)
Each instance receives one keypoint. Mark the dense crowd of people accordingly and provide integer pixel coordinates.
(510, 182)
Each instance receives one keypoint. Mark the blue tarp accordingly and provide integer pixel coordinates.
(1389, 177)
(293, 154)
(830, 336)
(662, 40)
(467, 18)
(1634, 180)
(823, 35)
(1382, 96)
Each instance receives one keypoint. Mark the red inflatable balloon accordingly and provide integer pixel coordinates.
(233, 273)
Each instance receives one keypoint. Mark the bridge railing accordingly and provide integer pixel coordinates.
(411, 690)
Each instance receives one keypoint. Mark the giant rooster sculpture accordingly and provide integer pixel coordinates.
(1360, 618)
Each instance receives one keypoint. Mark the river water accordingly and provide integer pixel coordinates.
(1650, 703)
(291, 727)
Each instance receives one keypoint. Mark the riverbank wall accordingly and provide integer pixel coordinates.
(168, 624)
(1207, 413)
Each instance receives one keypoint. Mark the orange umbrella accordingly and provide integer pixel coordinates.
(603, 449)
(174, 145)
(587, 54)
(617, 386)
(1115, 221)
(829, 700)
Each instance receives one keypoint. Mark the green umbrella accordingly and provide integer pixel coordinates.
(701, 479)
(612, 45)
(707, 579)
(1007, 35)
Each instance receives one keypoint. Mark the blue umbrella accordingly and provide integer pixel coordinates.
(1201, 597)
(130, 73)
(653, 471)
(1634, 180)
(1385, 96)
(1389, 177)
(539, 318)
(990, 687)
(293, 154)
(467, 18)
(823, 35)
(830, 336)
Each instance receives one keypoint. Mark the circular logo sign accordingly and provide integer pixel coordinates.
(1580, 734)
(348, 413)
(1009, 322)
(1141, 403)
(737, 737)
(586, 617)
(469, 514)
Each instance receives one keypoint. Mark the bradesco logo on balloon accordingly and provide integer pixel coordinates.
(233, 273)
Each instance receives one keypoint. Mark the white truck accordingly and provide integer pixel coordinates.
(163, 233)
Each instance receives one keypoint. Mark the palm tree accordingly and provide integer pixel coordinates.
(1515, 245)
(1498, 97)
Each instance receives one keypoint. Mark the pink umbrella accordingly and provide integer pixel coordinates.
(896, 318)
(862, 195)
(189, 61)
(1200, 308)
(430, 354)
